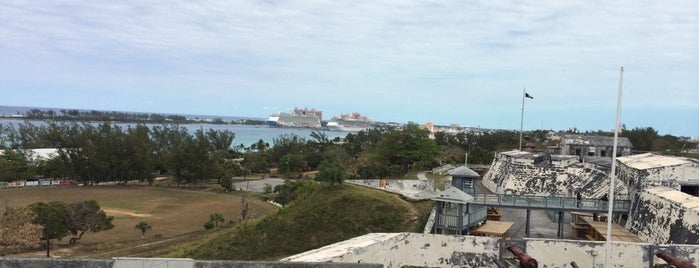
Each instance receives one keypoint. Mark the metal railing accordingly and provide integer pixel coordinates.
(551, 202)
(477, 214)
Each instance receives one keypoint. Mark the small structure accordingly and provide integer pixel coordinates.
(454, 214)
(593, 145)
(464, 179)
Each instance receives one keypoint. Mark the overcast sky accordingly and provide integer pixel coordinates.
(463, 62)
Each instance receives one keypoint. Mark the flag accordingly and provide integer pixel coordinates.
(528, 96)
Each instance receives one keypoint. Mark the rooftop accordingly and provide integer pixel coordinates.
(685, 200)
(463, 171)
(594, 140)
(453, 195)
(650, 160)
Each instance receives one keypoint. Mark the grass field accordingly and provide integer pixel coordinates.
(175, 214)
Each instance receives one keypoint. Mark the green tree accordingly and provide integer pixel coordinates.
(87, 216)
(216, 218)
(53, 217)
(331, 172)
(143, 227)
(226, 183)
(15, 165)
(408, 148)
(641, 138)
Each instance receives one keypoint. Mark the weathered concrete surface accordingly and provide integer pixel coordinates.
(517, 172)
(164, 263)
(649, 170)
(666, 216)
(401, 249)
(559, 253)
(255, 264)
(426, 250)
(128, 262)
(257, 186)
(54, 263)
(412, 189)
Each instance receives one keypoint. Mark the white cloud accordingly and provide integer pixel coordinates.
(403, 51)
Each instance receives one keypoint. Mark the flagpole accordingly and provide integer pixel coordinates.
(521, 120)
(607, 244)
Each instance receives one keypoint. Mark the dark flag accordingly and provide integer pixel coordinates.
(528, 96)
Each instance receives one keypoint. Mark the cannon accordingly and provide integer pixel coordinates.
(679, 263)
(525, 261)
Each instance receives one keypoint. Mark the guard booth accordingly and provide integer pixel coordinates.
(454, 214)
(464, 179)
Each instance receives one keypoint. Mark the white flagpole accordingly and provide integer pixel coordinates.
(607, 244)
(521, 120)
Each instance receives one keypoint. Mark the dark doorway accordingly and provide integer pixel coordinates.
(690, 189)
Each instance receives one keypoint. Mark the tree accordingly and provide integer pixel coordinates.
(227, 183)
(53, 217)
(143, 227)
(87, 216)
(641, 138)
(406, 148)
(17, 231)
(15, 165)
(331, 172)
(216, 218)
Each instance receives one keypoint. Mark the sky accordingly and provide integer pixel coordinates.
(445, 62)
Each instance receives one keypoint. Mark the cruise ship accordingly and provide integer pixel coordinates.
(350, 122)
(298, 118)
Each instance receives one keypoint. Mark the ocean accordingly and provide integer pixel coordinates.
(244, 134)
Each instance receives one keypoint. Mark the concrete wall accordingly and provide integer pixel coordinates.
(164, 263)
(413, 189)
(400, 249)
(54, 263)
(666, 216)
(559, 253)
(426, 250)
(669, 176)
(516, 176)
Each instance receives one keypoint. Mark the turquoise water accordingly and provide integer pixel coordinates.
(244, 134)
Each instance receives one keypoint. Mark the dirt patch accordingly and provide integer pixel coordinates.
(124, 212)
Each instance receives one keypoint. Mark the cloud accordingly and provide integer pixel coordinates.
(347, 52)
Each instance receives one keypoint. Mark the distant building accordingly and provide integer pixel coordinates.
(593, 145)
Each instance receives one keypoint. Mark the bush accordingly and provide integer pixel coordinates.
(208, 225)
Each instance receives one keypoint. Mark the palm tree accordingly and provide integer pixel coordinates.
(143, 226)
(216, 218)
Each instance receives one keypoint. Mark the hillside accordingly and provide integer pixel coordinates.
(331, 214)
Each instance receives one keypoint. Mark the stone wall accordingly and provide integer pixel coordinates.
(428, 250)
(413, 189)
(164, 263)
(395, 250)
(672, 176)
(559, 253)
(666, 216)
(513, 175)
